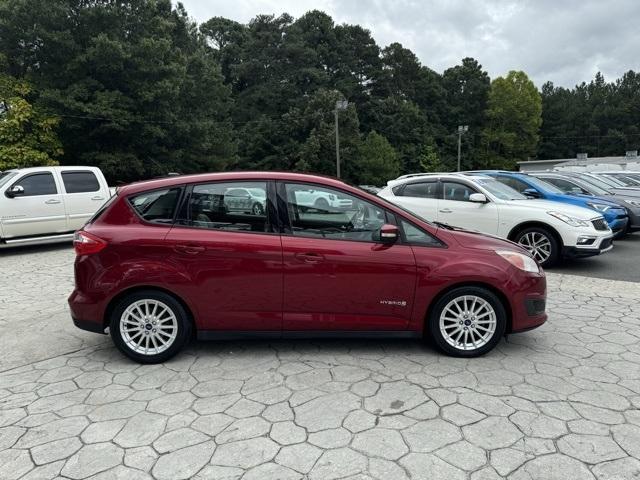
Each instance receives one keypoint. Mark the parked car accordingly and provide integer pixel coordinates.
(153, 271)
(549, 230)
(626, 178)
(47, 204)
(615, 215)
(321, 200)
(576, 184)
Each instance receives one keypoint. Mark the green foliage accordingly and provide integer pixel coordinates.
(138, 89)
(377, 160)
(27, 135)
(514, 116)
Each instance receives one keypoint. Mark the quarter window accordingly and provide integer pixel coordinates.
(157, 206)
(327, 213)
(38, 184)
(417, 236)
(80, 182)
(457, 191)
(228, 206)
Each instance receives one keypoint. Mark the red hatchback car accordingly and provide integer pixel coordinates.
(282, 254)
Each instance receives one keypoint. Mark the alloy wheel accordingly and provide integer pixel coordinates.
(468, 322)
(538, 245)
(148, 327)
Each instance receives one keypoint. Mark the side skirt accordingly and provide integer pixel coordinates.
(293, 334)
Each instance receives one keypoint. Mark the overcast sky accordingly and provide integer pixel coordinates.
(565, 41)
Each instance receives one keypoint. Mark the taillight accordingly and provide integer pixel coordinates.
(85, 243)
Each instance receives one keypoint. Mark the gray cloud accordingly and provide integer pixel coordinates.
(565, 41)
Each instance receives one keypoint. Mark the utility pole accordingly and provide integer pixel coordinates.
(462, 129)
(340, 105)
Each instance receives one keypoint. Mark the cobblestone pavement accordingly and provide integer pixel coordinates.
(560, 402)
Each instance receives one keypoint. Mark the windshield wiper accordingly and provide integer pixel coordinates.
(446, 226)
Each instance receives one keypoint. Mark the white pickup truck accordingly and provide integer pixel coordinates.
(47, 204)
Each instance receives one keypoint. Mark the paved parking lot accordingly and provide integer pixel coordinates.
(560, 402)
(621, 263)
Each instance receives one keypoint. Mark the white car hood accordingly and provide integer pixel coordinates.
(581, 213)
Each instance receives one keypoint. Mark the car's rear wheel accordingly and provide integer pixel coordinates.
(149, 326)
(542, 245)
(467, 322)
(321, 204)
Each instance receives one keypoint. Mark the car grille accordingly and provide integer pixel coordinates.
(600, 224)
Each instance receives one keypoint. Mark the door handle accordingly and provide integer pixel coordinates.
(445, 210)
(189, 249)
(309, 257)
(52, 201)
(97, 198)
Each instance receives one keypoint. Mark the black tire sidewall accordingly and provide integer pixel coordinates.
(555, 247)
(433, 322)
(184, 325)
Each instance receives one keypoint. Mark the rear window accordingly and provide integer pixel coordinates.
(157, 206)
(80, 182)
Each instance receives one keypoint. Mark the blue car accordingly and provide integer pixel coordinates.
(615, 215)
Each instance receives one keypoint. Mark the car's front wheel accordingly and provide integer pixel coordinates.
(467, 321)
(542, 245)
(149, 326)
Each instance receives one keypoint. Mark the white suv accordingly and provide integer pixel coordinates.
(547, 229)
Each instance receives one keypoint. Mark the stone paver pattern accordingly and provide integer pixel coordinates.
(560, 402)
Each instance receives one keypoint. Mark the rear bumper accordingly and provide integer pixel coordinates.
(86, 312)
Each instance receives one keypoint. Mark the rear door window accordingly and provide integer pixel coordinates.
(232, 206)
(419, 190)
(80, 182)
(156, 206)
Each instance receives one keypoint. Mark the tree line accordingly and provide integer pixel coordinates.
(139, 89)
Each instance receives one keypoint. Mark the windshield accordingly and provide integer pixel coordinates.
(587, 185)
(541, 184)
(499, 190)
(596, 182)
(623, 179)
(6, 176)
(612, 182)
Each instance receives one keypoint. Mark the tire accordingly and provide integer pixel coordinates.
(173, 317)
(257, 209)
(488, 313)
(540, 236)
(321, 204)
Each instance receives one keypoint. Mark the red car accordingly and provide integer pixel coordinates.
(165, 258)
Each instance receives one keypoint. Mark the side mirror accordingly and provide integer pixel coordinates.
(478, 198)
(531, 192)
(15, 191)
(387, 234)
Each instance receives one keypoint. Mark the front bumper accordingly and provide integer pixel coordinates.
(619, 225)
(604, 246)
(528, 305)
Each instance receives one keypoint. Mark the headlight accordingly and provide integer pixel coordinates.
(599, 206)
(519, 260)
(574, 222)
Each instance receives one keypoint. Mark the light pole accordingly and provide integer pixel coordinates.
(340, 105)
(462, 129)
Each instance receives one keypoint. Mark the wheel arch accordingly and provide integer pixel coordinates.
(138, 288)
(529, 224)
(497, 292)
